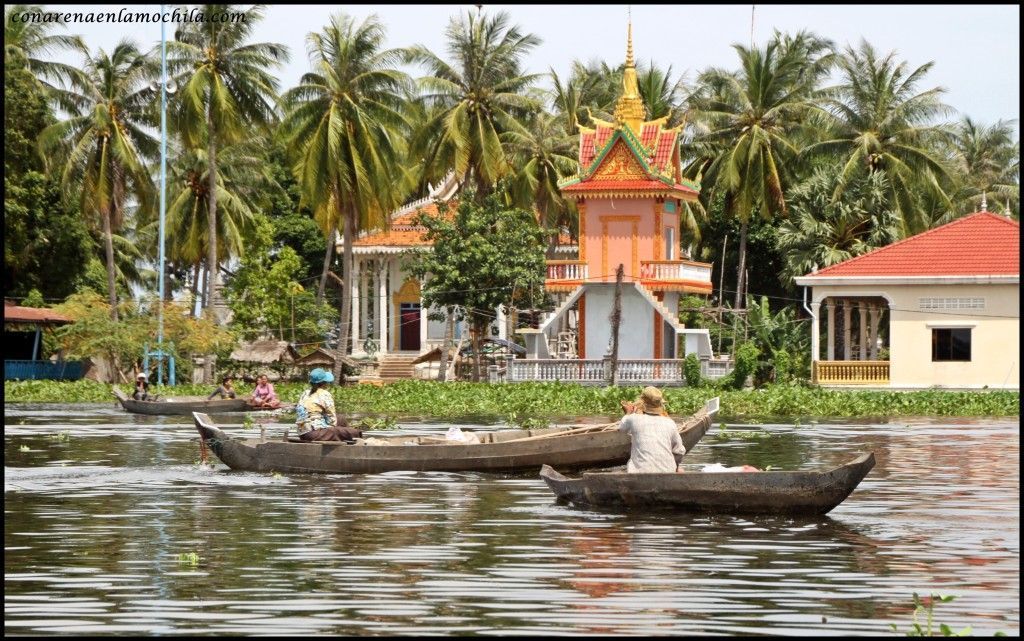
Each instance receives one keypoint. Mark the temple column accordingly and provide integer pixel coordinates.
(876, 315)
(862, 331)
(815, 333)
(357, 297)
(500, 320)
(423, 319)
(847, 334)
(382, 307)
(365, 298)
(830, 306)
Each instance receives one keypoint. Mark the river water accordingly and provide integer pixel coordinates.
(111, 527)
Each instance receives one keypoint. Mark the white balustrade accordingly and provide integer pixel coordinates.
(565, 270)
(595, 372)
(675, 270)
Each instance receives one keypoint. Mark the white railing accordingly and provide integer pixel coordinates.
(596, 372)
(675, 270)
(715, 368)
(567, 270)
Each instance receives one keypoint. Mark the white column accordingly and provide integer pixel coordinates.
(423, 320)
(364, 299)
(500, 320)
(847, 334)
(862, 330)
(382, 307)
(394, 315)
(876, 315)
(356, 304)
(815, 332)
(831, 307)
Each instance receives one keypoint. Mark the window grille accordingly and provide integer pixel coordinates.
(952, 303)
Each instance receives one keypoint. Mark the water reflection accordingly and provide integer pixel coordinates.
(95, 524)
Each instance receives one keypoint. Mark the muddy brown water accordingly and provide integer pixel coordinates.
(110, 527)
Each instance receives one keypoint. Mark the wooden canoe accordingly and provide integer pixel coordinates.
(181, 406)
(726, 492)
(502, 451)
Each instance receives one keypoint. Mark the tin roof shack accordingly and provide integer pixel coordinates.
(326, 358)
(23, 345)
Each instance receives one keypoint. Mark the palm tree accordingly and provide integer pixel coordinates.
(880, 123)
(104, 142)
(590, 91)
(480, 93)
(227, 88)
(988, 161)
(544, 155)
(661, 94)
(343, 125)
(28, 41)
(750, 117)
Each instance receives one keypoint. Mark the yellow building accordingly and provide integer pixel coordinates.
(940, 309)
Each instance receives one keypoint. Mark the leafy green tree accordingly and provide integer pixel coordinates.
(782, 342)
(227, 87)
(342, 124)
(293, 222)
(104, 143)
(266, 297)
(822, 231)
(480, 93)
(750, 118)
(880, 123)
(543, 156)
(987, 160)
(485, 256)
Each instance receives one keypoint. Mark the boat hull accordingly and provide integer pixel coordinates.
(180, 407)
(499, 451)
(726, 492)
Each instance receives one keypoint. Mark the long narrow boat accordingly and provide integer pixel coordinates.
(181, 406)
(726, 492)
(567, 447)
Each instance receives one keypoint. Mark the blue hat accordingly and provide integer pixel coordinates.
(320, 375)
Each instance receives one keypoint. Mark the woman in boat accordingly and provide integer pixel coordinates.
(141, 392)
(656, 445)
(263, 396)
(315, 416)
(226, 389)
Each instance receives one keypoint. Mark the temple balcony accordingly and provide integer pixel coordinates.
(566, 274)
(657, 274)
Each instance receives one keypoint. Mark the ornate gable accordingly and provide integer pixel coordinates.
(619, 163)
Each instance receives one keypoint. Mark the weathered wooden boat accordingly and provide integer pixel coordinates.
(726, 492)
(503, 451)
(181, 406)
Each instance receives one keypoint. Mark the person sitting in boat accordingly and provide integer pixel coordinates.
(656, 445)
(315, 416)
(141, 392)
(226, 389)
(263, 396)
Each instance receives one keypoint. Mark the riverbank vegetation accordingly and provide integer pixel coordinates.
(524, 401)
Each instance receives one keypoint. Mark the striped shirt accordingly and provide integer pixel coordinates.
(656, 443)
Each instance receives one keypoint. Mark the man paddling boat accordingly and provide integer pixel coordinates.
(656, 446)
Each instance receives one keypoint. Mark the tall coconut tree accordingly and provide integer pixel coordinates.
(590, 91)
(105, 143)
(481, 91)
(227, 87)
(882, 123)
(750, 119)
(31, 42)
(987, 161)
(343, 125)
(543, 154)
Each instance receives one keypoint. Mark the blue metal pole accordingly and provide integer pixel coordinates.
(35, 345)
(163, 186)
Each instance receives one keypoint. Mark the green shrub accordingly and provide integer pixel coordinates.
(746, 364)
(691, 369)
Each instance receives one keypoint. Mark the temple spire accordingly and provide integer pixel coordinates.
(629, 110)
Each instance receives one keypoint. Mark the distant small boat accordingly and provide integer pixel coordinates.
(567, 446)
(181, 406)
(725, 492)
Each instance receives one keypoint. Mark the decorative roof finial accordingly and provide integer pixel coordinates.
(629, 40)
(984, 202)
(629, 109)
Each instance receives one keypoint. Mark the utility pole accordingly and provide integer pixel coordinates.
(616, 320)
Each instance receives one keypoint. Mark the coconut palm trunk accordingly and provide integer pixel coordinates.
(108, 241)
(344, 324)
(742, 268)
(211, 229)
(331, 232)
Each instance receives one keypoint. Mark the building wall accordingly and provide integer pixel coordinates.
(629, 222)
(995, 334)
(636, 332)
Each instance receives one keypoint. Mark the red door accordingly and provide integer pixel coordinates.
(409, 337)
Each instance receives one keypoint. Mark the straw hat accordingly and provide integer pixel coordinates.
(143, 376)
(651, 398)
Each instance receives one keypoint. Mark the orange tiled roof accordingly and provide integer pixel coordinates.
(981, 244)
(16, 313)
(628, 185)
(403, 233)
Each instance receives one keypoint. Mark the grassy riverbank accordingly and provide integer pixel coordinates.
(524, 400)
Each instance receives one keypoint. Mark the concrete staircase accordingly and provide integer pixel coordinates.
(671, 316)
(397, 367)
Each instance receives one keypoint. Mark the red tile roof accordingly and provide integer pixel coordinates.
(663, 153)
(403, 233)
(586, 149)
(16, 313)
(981, 244)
